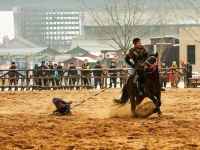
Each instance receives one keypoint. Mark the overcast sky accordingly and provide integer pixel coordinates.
(7, 24)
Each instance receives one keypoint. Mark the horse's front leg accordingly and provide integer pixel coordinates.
(156, 102)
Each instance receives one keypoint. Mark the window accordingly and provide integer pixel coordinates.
(191, 54)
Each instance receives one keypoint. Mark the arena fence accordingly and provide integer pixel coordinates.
(37, 79)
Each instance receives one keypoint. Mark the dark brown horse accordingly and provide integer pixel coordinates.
(152, 86)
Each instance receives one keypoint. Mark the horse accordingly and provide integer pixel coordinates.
(152, 87)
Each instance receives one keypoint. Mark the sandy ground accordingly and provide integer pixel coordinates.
(26, 122)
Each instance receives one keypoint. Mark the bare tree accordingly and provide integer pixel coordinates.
(164, 18)
(119, 21)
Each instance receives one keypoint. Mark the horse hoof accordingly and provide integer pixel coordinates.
(155, 110)
(160, 114)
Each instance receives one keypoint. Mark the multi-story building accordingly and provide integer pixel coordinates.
(47, 27)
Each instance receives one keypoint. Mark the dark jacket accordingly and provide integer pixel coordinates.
(112, 72)
(42, 73)
(60, 72)
(98, 72)
(13, 73)
(189, 70)
(51, 72)
(72, 72)
(139, 56)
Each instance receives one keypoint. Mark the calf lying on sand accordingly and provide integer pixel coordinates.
(62, 107)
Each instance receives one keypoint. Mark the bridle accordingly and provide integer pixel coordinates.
(153, 66)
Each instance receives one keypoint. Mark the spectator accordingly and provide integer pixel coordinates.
(51, 73)
(86, 72)
(174, 77)
(56, 74)
(47, 65)
(36, 74)
(72, 73)
(43, 74)
(113, 74)
(183, 66)
(123, 74)
(188, 70)
(14, 75)
(60, 72)
(98, 75)
(163, 77)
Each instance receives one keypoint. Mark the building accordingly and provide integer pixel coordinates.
(167, 48)
(17, 42)
(77, 51)
(94, 46)
(190, 46)
(47, 27)
(55, 24)
(24, 57)
(78, 61)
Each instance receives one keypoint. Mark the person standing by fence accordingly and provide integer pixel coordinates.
(43, 73)
(113, 74)
(13, 75)
(174, 76)
(60, 72)
(51, 73)
(188, 72)
(72, 74)
(56, 75)
(98, 75)
(123, 75)
(163, 75)
(86, 73)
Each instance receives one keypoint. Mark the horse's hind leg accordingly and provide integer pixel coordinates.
(133, 104)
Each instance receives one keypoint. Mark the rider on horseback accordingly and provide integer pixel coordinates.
(139, 54)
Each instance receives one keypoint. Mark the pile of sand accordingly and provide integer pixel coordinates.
(145, 109)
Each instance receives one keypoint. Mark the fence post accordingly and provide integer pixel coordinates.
(185, 81)
(106, 79)
(3, 84)
(27, 80)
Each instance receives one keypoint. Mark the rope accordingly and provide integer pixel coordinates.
(92, 97)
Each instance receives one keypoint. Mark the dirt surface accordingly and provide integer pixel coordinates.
(26, 122)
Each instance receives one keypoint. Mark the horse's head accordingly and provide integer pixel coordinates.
(151, 63)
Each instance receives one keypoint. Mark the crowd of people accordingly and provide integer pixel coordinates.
(88, 76)
(54, 75)
(172, 74)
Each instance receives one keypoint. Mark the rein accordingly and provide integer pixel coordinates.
(153, 66)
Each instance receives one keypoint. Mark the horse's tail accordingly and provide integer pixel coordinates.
(124, 98)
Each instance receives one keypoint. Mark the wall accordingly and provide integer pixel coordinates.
(188, 36)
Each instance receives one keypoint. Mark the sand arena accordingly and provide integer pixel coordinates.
(26, 122)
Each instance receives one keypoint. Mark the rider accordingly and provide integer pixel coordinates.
(139, 54)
